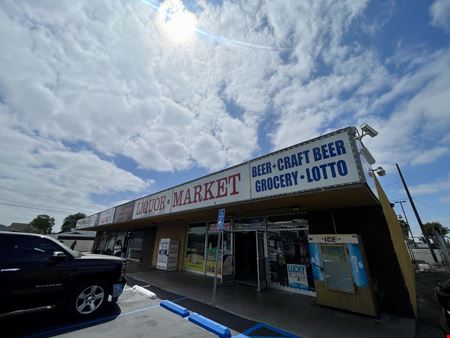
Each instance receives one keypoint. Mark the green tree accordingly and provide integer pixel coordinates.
(432, 227)
(42, 224)
(405, 228)
(71, 221)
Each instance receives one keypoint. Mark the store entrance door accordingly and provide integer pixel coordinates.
(246, 269)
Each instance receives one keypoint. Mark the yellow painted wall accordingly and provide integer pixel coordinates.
(400, 248)
(172, 231)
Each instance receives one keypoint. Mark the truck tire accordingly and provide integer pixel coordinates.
(88, 299)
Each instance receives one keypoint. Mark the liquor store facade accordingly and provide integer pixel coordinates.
(309, 219)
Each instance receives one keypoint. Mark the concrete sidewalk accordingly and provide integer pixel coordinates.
(291, 312)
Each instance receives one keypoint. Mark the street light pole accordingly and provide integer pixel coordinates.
(417, 215)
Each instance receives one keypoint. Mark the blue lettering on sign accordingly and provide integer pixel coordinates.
(329, 150)
(296, 268)
(293, 161)
(277, 182)
(326, 171)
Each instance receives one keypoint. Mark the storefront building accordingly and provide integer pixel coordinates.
(309, 219)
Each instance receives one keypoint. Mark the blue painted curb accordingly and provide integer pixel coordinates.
(175, 308)
(210, 325)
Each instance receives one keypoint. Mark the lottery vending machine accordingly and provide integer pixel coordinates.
(341, 274)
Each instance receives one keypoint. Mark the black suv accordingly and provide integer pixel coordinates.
(37, 270)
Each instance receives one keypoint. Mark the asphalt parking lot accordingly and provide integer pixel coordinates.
(135, 315)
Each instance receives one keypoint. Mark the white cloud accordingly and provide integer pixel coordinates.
(431, 187)
(102, 74)
(38, 175)
(430, 155)
(440, 14)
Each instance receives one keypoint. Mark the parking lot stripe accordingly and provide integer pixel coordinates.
(82, 325)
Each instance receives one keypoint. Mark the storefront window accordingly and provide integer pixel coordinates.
(195, 248)
(289, 264)
(134, 248)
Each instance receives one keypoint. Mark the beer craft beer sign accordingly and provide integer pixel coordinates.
(322, 163)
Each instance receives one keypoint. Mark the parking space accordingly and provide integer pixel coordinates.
(135, 315)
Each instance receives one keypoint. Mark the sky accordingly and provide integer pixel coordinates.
(105, 101)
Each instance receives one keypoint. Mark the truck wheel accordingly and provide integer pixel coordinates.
(88, 299)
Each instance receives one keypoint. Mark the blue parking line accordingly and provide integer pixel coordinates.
(283, 334)
(82, 325)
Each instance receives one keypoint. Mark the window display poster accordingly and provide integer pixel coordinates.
(316, 262)
(193, 262)
(357, 265)
(297, 276)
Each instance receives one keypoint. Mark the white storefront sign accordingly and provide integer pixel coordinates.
(87, 222)
(324, 162)
(228, 186)
(318, 164)
(333, 239)
(106, 216)
(157, 204)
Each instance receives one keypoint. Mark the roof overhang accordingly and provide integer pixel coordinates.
(352, 196)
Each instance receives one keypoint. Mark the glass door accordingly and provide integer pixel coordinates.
(261, 261)
(134, 247)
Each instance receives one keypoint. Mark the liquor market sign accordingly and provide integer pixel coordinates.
(327, 161)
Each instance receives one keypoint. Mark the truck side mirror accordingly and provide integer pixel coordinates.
(58, 256)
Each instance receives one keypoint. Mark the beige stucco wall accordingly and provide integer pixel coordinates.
(172, 231)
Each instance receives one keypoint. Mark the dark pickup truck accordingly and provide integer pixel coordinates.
(37, 271)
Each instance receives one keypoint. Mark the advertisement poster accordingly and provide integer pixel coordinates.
(297, 276)
(194, 262)
(87, 222)
(124, 212)
(106, 216)
(211, 262)
(357, 265)
(316, 262)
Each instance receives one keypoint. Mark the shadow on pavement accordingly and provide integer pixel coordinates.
(51, 322)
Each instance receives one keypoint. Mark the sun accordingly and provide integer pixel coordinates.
(176, 21)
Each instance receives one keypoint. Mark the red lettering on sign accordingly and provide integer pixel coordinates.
(208, 194)
(222, 190)
(197, 193)
(232, 179)
(163, 203)
(177, 198)
(187, 197)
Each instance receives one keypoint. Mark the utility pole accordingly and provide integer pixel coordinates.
(417, 215)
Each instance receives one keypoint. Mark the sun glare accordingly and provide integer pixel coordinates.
(176, 21)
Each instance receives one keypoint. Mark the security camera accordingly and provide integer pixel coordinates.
(380, 171)
(368, 130)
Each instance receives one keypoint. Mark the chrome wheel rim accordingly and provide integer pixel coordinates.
(90, 299)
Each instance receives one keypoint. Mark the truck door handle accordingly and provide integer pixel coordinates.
(10, 270)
